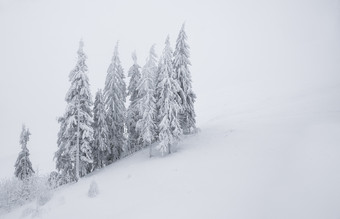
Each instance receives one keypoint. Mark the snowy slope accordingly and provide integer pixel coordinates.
(277, 159)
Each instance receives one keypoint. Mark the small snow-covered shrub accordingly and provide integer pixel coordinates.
(10, 196)
(93, 191)
(15, 192)
(53, 179)
(64, 179)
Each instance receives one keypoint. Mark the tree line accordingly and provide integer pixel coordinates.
(95, 134)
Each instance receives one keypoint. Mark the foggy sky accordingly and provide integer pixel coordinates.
(272, 46)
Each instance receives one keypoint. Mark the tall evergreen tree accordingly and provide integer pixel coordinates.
(132, 112)
(74, 154)
(169, 129)
(146, 103)
(23, 165)
(135, 76)
(156, 93)
(115, 97)
(64, 159)
(151, 66)
(101, 149)
(181, 64)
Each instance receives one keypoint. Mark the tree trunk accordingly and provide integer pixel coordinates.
(77, 155)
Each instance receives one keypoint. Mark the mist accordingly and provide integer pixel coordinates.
(241, 51)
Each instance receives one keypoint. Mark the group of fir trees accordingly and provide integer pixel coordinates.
(93, 135)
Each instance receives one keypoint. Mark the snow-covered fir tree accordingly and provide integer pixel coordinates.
(181, 64)
(151, 66)
(169, 129)
(115, 97)
(64, 159)
(101, 149)
(74, 154)
(156, 93)
(135, 76)
(146, 103)
(132, 112)
(23, 165)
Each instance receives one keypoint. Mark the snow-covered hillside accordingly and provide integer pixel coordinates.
(260, 159)
(266, 75)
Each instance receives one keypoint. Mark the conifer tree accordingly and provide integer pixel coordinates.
(115, 97)
(74, 154)
(169, 129)
(23, 165)
(101, 147)
(146, 103)
(64, 159)
(151, 66)
(156, 93)
(135, 76)
(132, 112)
(181, 64)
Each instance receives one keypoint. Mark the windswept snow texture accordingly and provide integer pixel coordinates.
(267, 79)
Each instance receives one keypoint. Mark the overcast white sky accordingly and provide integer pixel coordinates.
(274, 46)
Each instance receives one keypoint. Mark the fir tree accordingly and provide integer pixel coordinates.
(135, 75)
(101, 147)
(169, 129)
(74, 155)
(156, 93)
(115, 96)
(146, 103)
(151, 66)
(64, 159)
(132, 112)
(181, 64)
(23, 165)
